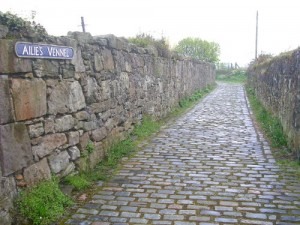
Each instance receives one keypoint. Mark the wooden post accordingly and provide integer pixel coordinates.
(82, 24)
(256, 35)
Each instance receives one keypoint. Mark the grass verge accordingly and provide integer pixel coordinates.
(188, 102)
(237, 76)
(272, 128)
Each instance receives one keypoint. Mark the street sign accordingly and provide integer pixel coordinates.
(43, 51)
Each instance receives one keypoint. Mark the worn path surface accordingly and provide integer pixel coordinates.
(210, 167)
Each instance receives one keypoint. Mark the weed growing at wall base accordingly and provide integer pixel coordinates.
(44, 203)
(269, 123)
(188, 102)
(272, 127)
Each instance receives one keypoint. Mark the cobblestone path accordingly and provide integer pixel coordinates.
(210, 167)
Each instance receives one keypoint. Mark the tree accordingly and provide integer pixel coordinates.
(199, 49)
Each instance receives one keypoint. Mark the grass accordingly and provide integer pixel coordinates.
(190, 101)
(269, 123)
(44, 203)
(78, 181)
(236, 76)
(272, 128)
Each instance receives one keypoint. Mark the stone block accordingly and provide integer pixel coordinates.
(100, 40)
(37, 172)
(98, 62)
(74, 153)
(36, 130)
(82, 115)
(108, 61)
(9, 62)
(5, 217)
(59, 162)
(49, 125)
(47, 68)
(91, 91)
(90, 125)
(29, 98)
(66, 97)
(78, 61)
(67, 71)
(48, 144)
(8, 192)
(6, 112)
(64, 123)
(69, 169)
(15, 148)
(124, 80)
(99, 134)
(117, 43)
(73, 138)
(83, 141)
(82, 38)
(97, 155)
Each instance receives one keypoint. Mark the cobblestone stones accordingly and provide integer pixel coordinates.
(211, 167)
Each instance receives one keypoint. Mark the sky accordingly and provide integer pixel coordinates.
(230, 23)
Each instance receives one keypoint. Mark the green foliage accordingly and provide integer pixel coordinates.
(79, 181)
(189, 101)
(269, 123)
(146, 128)
(199, 49)
(146, 40)
(18, 26)
(118, 151)
(43, 203)
(272, 127)
(261, 60)
(235, 76)
(89, 148)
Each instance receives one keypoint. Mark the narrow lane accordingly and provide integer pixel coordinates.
(210, 167)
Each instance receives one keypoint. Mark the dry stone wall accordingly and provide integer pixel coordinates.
(276, 83)
(51, 109)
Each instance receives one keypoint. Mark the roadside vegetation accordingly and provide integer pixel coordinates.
(232, 76)
(44, 203)
(268, 123)
(272, 128)
(147, 40)
(19, 27)
(194, 48)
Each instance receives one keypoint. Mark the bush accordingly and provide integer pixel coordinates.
(146, 40)
(20, 27)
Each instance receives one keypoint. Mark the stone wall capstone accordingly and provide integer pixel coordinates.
(276, 83)
(51, 109)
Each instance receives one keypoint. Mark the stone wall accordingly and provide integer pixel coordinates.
(276, 83)
(51, 109)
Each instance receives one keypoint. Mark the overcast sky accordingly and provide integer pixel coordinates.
(231, 23)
